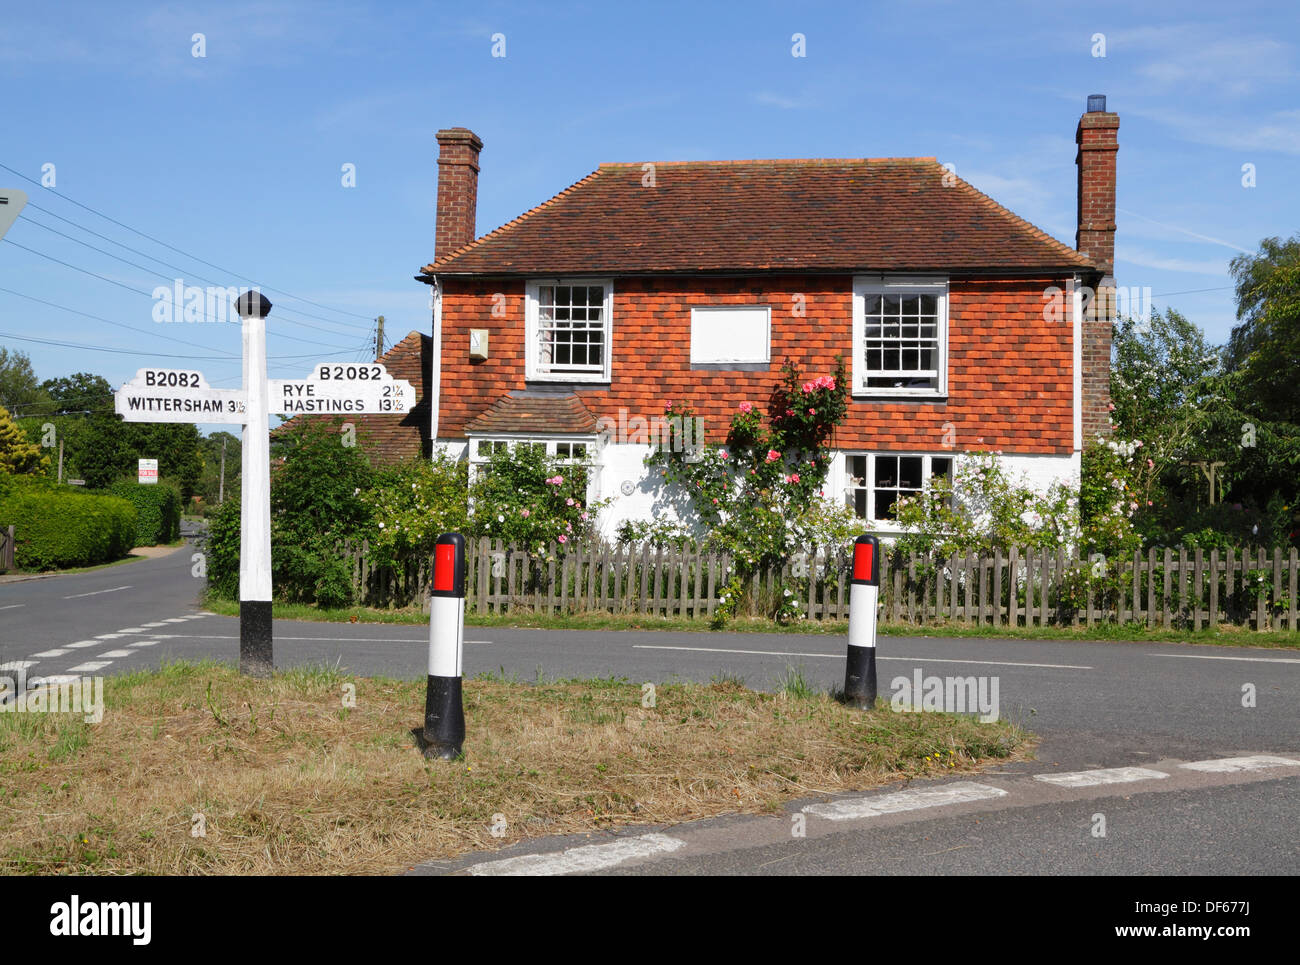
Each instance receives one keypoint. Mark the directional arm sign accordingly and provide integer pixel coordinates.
(178, 395)
(342, 389)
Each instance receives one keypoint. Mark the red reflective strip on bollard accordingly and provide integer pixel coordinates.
(444, 567)
(862, 561)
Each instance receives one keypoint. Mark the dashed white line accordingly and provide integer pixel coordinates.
(115, 653)
(90, 667)
(143, 643)
(17, 664)
(84, 643)
(158, 624)
(174, 620)
(840, 656)
(590, 857)
(50, 653)
(108, 636)
(1106, 775)
(1229, 765)
(12, 606)
(97, 592)
(131, 630)
(852, 809)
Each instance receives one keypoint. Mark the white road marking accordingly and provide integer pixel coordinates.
(1229, 765)
(97, 592)
(174, 620)
(840, 656)
(50, 653)
(90, 667)
(115, 653)
(131, 630)
(159, 624)
(18, 664)
(53, 680)
(1204, 656)
(143, 643)
(853, 809)
(85, 643)
(590, 857)
(1106, 775)
(108, 636)
(12, 606)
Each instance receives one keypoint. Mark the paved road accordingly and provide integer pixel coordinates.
(1097, 706)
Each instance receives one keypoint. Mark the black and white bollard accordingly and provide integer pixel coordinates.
(864, 592)
(444, 711)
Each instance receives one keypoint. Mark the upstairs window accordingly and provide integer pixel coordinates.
(900, 337)
(568, 330)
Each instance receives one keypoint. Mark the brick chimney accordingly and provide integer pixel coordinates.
(457, 189)
(1098, 143)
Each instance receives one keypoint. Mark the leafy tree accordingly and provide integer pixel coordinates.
(1265, 347)
(80, 392)
(19, 389)
(17, 455)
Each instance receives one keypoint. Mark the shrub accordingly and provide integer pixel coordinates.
(57, 527)
(524, 496)
(412, 504)
(157, 508)
(219, 543)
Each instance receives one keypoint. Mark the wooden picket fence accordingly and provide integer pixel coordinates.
(6, 549)
(1021, 587)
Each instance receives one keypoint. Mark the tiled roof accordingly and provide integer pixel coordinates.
(887, 214)
(534, 412)
(393, 438)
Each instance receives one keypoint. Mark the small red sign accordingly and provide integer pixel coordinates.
(444, 567)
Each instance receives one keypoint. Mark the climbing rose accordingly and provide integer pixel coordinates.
(746, 407)
(773, 455)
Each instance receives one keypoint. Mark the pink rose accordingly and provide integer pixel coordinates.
(773, 455)
(746, 407)
(808, 387)
(563, 538)
(668, 405)
(812, 411)
(524, 513)
(569, 501)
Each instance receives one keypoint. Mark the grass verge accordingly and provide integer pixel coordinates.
(1225, 635)
(284, 779)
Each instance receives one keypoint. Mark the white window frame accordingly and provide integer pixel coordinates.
(864, 285)
(705, 310)
(532, 369)
(869, 482)
(551, 442)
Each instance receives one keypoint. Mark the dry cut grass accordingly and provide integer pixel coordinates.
(281, 777)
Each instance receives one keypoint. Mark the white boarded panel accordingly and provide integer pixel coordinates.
(739, 333)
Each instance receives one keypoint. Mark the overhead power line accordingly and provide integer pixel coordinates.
(180, 251)
(149, 295)
(348, 328)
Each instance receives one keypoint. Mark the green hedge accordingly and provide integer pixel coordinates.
(157, 508)
(58, 528)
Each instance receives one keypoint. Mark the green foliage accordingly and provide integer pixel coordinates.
(1265, 346)
(983, 507)
(59, 527)
(525, 496)
(761, 494)
(220, 545)
(19, 389)
(316, 508)
(18, 456)
(412, 504)
(157, 507)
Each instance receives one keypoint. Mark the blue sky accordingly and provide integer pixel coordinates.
(236, 157)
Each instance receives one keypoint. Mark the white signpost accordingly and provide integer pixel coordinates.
(147, 472)
(183, 395)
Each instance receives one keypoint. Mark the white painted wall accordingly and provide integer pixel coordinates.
(618, 463)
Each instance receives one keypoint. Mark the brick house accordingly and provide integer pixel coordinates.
(961, 325)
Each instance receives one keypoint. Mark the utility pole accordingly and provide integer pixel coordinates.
(221, 483)
(379, 337)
